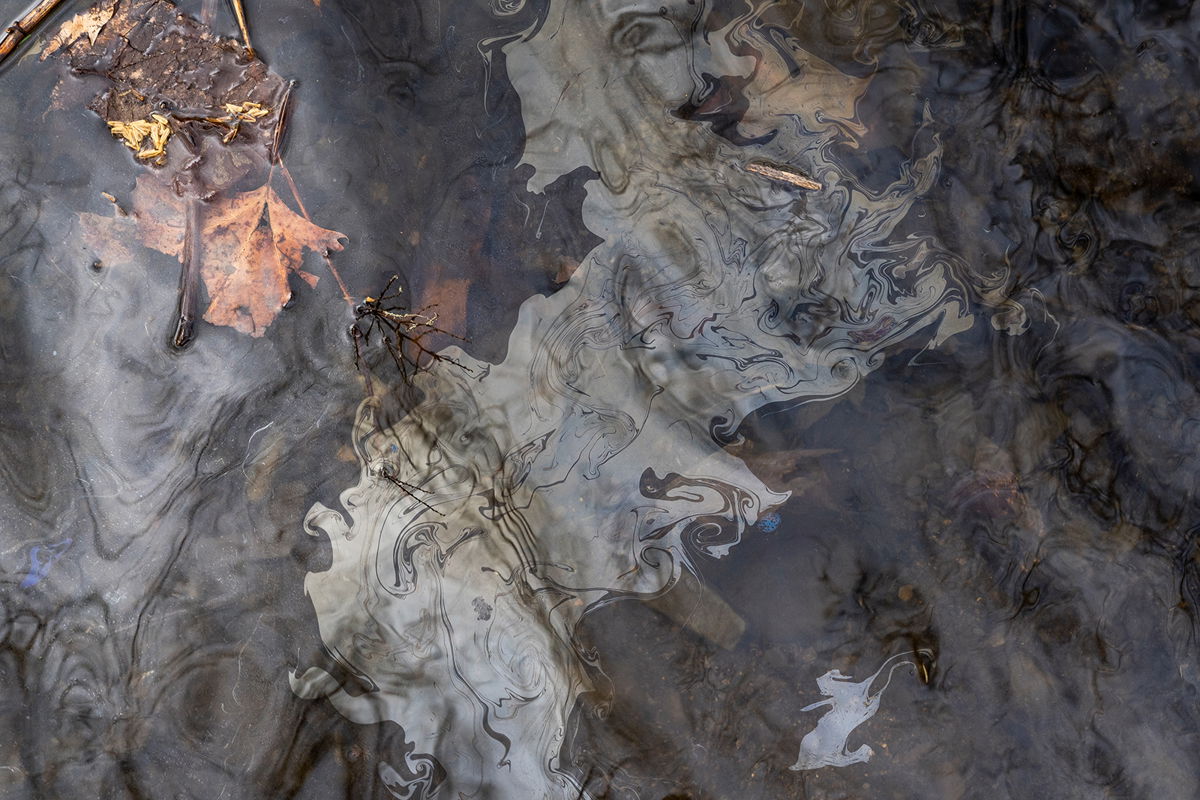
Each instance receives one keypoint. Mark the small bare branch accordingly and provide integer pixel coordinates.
(401, 332)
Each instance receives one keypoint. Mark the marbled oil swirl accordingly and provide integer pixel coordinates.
(588, 466)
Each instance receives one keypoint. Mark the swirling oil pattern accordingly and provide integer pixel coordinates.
(588, 466)
(894, 478)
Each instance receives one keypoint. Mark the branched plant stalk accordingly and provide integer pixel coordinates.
(409, 490)
(402, 332)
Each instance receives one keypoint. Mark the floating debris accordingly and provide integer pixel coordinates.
(87, 24)
(240, 13)
(210, 120)
(784, 174)
(134, 133)
(237, 113)
(247, 111)
(19, 31)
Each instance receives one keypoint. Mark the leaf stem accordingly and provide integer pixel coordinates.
(304, 212)
(189, 275)
(241, 20)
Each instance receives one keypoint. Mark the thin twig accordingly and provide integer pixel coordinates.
(304, 212)
(402, 332)
(16, 33)
(407, 489)
(241, 20)
(357, 336)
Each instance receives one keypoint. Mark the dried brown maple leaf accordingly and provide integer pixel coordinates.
(249, 244)
(169, 79)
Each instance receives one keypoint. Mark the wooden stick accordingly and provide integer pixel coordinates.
(784, 174)
(304, 212)
(241, 19)
(16, 33)
(698, 608)
(189, 276)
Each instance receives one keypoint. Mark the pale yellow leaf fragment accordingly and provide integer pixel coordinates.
(89, 23)
(247, 111)
(157, 128)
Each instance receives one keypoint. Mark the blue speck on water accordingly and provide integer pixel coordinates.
(41, 558)
(769, 523)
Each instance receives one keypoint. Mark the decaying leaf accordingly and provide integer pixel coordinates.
(210, 115)
(89, 24)
(110, 240)
(250, 243)
(156, 61)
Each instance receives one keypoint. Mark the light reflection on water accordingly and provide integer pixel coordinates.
(1016, 498)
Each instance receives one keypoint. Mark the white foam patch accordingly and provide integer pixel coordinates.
(850, 705)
